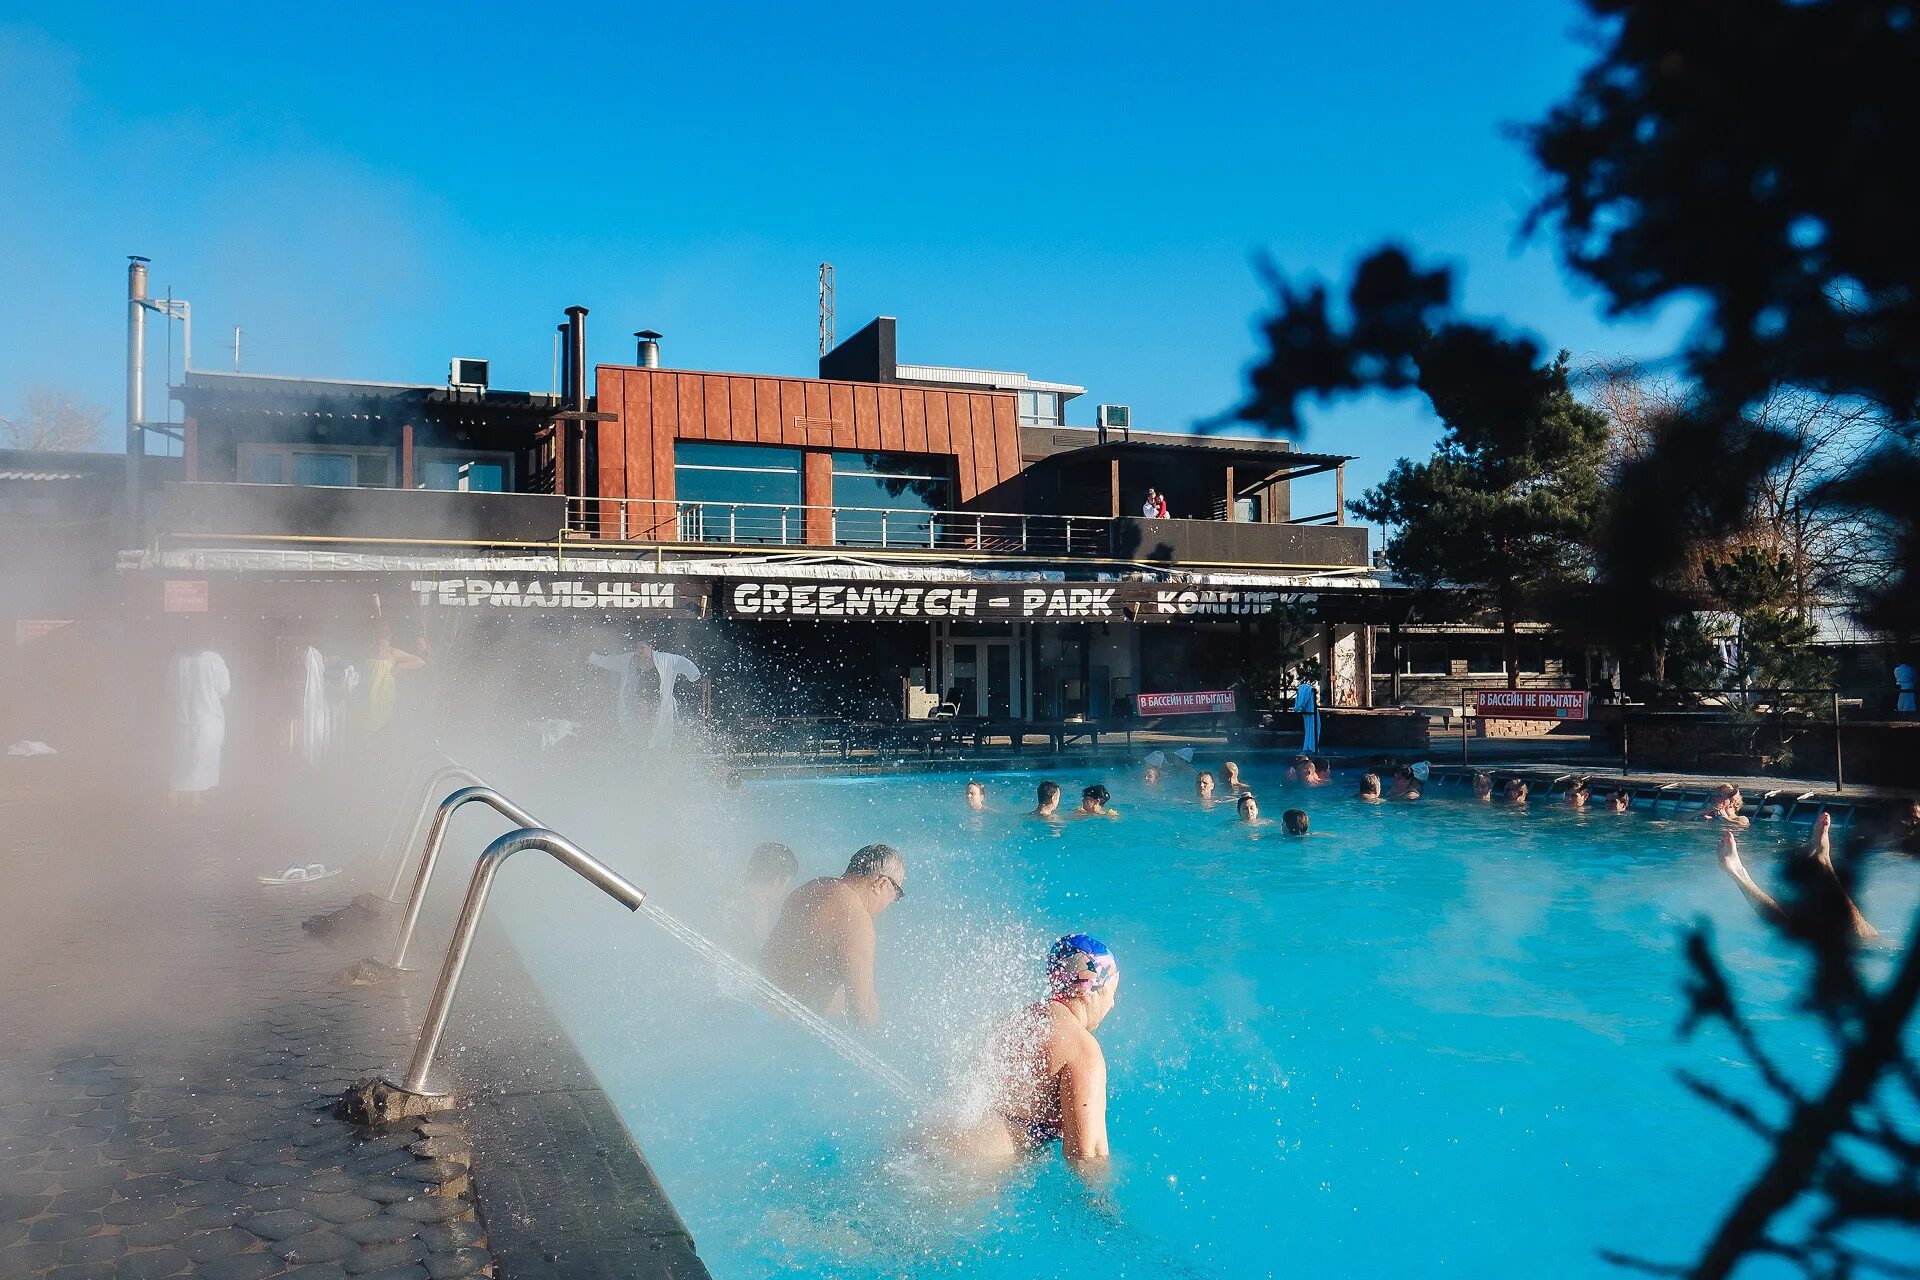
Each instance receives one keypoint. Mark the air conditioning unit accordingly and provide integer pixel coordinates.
(467, 375)
(1114, 417)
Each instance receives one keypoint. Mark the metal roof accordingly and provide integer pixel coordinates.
(1266, 452)
(994, 379)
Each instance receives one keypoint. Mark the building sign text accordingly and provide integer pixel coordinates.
(1531, 704)
(1214, 702)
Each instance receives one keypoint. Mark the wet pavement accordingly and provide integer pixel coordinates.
(171, 1046)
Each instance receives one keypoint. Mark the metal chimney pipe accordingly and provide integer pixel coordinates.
(648, 355)
(577, 356)
(136, 387)
(577, 401)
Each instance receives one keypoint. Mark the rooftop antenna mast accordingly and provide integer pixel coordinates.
(826, 307)
(236, 348)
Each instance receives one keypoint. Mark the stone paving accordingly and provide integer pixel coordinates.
(171, 1045)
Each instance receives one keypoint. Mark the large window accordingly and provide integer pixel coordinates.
(884, 499)
(1039, 408)
(341, 467)
(737, 492)
(1425, 658)
(464, 471)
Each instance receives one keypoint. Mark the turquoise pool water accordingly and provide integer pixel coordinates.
(1434, 1038)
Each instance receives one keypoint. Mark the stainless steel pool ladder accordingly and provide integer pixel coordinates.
(430, 853)
(568, 855)
(449, 772)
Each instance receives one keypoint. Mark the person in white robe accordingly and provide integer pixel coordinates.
(645, 704)
(198, 685)
(1306, 700)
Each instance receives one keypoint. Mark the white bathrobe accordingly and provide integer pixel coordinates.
(632, 711)
(198, 685)
(1306, 700)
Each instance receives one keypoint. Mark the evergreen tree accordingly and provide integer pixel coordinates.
(1502, 515)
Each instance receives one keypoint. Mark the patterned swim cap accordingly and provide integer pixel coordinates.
(1077, 964)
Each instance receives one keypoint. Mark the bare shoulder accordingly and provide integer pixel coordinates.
(1068, 1043)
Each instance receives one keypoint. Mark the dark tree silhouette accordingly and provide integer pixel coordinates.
(1754, 159)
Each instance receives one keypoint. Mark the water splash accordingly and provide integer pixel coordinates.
(748, 981)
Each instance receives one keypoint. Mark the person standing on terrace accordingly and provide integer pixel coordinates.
(822, 946)
(1153, 507)
(1306, 701)
(644, 703)
(1906, 683)
(1822, 891)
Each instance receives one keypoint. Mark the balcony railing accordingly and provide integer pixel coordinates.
(1295, 545)
(795, 524)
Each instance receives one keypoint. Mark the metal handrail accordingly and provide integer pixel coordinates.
(445, 774)
(568, 855)
(437, 836)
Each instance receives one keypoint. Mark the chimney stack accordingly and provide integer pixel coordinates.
(648, 355)
(136, 388)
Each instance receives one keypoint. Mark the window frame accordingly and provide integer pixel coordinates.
(503, 458)
(357, 454)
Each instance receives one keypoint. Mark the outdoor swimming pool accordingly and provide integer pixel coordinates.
(1429, 1038)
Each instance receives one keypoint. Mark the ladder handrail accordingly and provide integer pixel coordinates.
(568, 855)
(437, 836)
(446, 773)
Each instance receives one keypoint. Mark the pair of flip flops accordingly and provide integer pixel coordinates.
(302, 875)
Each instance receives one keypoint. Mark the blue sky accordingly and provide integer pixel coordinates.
(1073, 190)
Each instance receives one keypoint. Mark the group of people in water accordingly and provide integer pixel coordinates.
(1046, 1069)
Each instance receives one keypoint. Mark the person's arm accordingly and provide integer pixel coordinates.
(858, 967)
(1083, 1105)
(404, 661)
(1763, 905)
(614, 662)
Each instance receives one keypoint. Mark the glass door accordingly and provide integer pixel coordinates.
(983, 677)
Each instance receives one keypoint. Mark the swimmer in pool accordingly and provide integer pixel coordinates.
(1821, 890)
(751, 912)
(1620, 801)
(1049, 802)
(1576, 796)
(1483, 788)
(1515, 792)
(1406, 784)
(1724, 806)
(1151, 775)
(976, 797)
(1093, 803)
(1369, 788)
(1203, 787)
(1230, 778)
(821, 949)
(1249, 810)
(1045, 1071)
(1305, 769)
(1295, 821)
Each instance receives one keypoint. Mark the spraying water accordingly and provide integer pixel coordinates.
(748, 980)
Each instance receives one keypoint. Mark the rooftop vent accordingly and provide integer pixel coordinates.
(467, 375)
(647, 355)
